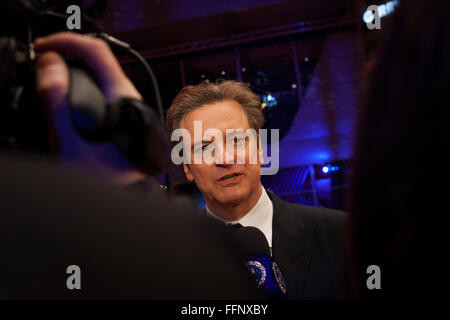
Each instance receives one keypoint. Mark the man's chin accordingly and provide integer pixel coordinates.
(230, 199)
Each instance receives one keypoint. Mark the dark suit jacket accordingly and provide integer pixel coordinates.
(309, 244)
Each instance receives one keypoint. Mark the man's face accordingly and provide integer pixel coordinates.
(213, 179)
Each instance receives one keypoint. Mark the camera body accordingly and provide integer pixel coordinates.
(138, 133)
(22, 123)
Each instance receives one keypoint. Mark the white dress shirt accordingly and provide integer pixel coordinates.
(260, 216)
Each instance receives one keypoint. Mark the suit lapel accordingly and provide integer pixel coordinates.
(292, 245)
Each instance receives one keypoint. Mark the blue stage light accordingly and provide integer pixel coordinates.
(270, 100)
(329, 168)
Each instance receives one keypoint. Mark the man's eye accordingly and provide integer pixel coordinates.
(206, 146)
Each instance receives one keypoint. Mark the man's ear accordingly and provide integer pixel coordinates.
(187, 172)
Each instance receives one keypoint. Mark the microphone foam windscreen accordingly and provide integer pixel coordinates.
(251, 241)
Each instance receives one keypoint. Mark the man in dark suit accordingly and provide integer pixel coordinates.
(309, 244)
(221, 152)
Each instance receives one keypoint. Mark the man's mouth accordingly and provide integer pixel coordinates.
(229, 177)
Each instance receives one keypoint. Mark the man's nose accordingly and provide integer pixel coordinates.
(224, 157)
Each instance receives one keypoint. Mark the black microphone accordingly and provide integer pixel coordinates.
(263, 269)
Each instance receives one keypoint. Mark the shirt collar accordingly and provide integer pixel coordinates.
(260, 216)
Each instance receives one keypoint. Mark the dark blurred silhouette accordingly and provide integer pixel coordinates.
(126, 245)
(398, 199)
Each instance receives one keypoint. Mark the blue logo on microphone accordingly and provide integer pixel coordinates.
(279, 277)
(258, 271)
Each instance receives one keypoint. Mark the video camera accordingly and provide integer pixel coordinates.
(132, 125)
